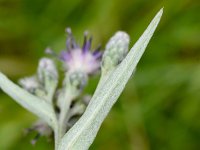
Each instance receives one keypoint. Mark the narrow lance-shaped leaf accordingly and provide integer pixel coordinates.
(32, 103)
(82, 134)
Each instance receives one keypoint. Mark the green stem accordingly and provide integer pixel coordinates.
(69, 93)
(67, 100)
(56, 137)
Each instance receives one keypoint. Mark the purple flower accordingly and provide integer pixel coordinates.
(78, 58)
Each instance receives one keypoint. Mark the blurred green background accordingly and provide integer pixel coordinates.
(160, 107)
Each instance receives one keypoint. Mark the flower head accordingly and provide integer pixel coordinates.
(78, 58)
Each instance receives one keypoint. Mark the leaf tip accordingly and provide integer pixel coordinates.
(160, 12)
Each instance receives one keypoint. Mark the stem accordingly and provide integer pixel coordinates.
(56, 137)
(67, 99)
(69, 93)
(55, 128)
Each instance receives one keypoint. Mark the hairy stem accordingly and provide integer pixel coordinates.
(67, 100)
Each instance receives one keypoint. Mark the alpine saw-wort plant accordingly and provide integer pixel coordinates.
(73, 118)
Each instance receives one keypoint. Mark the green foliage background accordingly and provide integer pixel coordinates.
(160, 107)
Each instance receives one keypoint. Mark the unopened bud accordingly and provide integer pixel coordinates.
(78, 79)
(47, 69)
(77, 109)
(29, 83)
(48, 76)
(116, 50)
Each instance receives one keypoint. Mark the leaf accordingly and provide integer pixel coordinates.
(38, 106)
(83, 133)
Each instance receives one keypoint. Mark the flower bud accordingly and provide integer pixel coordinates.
(41, 128)
(29, 83)
(78, 79)
(116, 50)
(47, 69)
(77, 109)
(48, 77)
